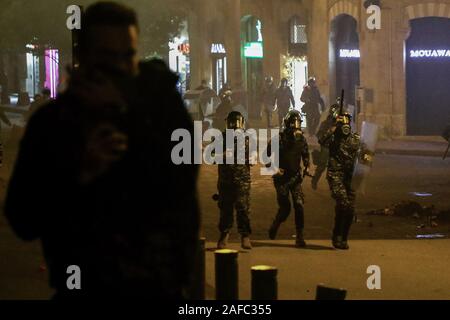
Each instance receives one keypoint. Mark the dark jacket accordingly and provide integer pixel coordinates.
(134, 230)
(268, 97)
(284, 98)
(344, 150)
(292, 152)
(312, 99)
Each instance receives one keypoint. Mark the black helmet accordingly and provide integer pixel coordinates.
(293, 120)
(235, 120)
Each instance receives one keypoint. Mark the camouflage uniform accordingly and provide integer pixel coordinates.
(234, 193)
(292, 153)
(344, 151)
(320, 158)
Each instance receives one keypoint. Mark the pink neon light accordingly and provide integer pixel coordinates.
(52, 71)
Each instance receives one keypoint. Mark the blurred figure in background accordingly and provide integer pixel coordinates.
(268, 98)
(314, 105)
(283, 99)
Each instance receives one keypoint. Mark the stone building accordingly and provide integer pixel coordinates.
(401, 91)
(243, 41)
(396, 76)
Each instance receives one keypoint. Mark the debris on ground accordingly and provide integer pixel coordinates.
(404, 209)
(421, 194)
(415, 210)
(430, 236)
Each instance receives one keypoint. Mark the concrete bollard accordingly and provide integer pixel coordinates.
(264, 283)
(325, 293)
(227, 274)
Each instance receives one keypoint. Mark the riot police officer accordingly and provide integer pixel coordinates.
(234, 187)
(344, 149)
(288, 181)
(320, 158)
(313, 100)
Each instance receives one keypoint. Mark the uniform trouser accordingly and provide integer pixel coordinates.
(268, 117)
(285, 189)
(312, 121)
(234, 197)
(341, 190)
(281, 114)
(322, 165)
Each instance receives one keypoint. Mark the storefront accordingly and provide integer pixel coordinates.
(52, 71)
(295, 63)
(32, 82)
(252, 65)
(219, 65)
(428, 76)
(179, 62)
(344, 59)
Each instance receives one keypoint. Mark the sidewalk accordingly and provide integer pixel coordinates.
(410, 146)
(410, 269)
(432, 146)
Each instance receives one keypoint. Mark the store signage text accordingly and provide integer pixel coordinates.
(349, 53)
(218, 48)
(184, 48)
(253, 50)
(438, 53)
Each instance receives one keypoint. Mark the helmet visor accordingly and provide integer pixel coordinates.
(235, 123)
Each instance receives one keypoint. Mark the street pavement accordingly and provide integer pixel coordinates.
(410, 269)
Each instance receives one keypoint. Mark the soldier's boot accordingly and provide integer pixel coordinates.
(223, 240)
(245, 243)
(274, 229)
(348, 220)
(337, 231)
(299, 239)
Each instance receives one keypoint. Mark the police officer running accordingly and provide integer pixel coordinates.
(288, 181)
(234, 186)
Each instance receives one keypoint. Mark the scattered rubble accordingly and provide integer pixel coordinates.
(403, 209)
(415, 210)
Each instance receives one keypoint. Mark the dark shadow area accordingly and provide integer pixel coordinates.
(280, 245)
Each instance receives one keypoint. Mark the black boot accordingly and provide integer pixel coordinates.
(223, 240)
(299, 239)
(274, 229)
(348, 220)
(337, 231)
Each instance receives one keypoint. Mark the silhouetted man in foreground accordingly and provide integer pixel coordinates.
(94, 178)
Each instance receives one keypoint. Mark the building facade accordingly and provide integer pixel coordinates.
(395, 76)
(241, 42)
(402, 69)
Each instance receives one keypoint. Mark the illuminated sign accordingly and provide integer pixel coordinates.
(259, 30)
(218, 48)
(349, 53)
(437, 53)
(52, 71)
(253, 50)
(184, 48)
